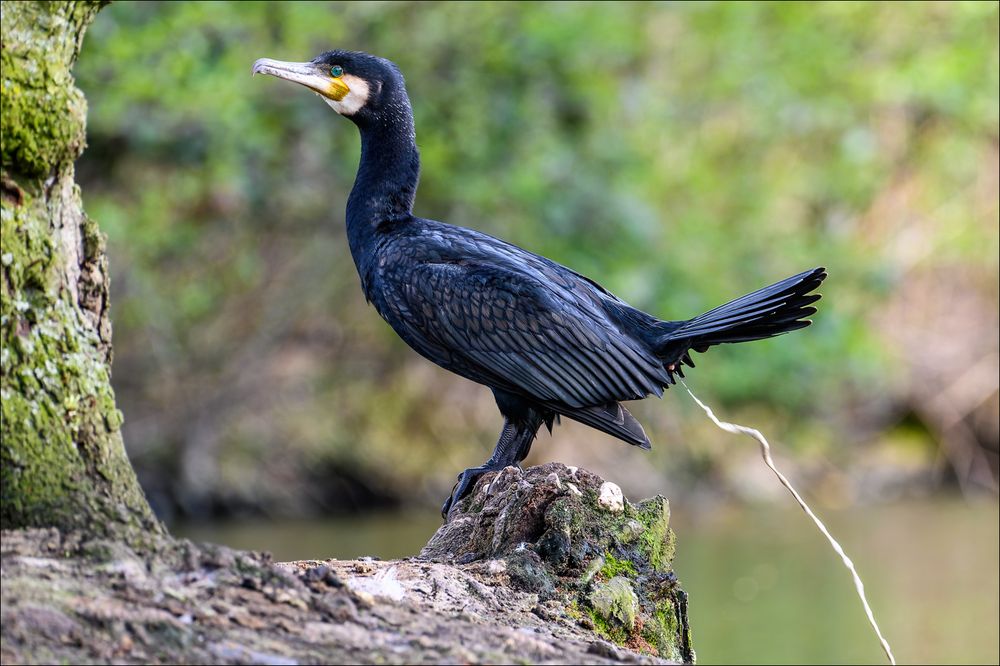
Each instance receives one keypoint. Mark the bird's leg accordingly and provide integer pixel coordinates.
(512, 447)
(525, 448)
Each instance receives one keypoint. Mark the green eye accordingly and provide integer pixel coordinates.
(336, 71)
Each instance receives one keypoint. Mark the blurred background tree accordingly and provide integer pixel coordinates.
(681, 154)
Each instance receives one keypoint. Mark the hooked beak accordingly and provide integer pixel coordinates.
(314, 77)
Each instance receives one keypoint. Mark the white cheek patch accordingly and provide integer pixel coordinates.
(356, 98)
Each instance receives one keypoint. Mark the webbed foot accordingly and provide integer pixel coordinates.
(466, 482)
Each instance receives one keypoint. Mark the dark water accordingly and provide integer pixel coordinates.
(764, 585)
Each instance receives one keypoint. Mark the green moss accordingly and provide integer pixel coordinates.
(609, 630)
(657, 539)
(43, 112)
(615, 567)
(629, 591)
(662, 632)
(592, 569)
(616, 602)
(565, 513)
(63, 461)
(47, 385)
(572, 610)
(62, 446)
(610, 570)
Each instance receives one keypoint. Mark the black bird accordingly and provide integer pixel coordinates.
(548, 341)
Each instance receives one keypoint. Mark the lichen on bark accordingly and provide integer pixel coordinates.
(63, 459)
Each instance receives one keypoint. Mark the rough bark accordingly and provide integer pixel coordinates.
(63, 460)
(529, 571)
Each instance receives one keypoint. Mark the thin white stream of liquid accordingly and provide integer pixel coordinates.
(765, 450)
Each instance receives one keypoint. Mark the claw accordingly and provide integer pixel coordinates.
(466, 480)
(446, 509)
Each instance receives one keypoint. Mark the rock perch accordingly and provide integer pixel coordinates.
(571, 538)
(547, 565)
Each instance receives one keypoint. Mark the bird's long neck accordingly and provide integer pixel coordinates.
(386, 182)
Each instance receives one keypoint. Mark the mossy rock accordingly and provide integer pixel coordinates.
(568, 535)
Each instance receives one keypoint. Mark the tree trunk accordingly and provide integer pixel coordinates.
(63, 460)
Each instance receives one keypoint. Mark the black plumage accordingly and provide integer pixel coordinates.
(548, 341)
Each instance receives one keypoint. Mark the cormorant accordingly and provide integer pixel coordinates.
(548, 341)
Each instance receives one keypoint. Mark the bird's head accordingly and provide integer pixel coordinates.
(356, 85)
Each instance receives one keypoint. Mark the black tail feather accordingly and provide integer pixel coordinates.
(773, 310)
(613, 419)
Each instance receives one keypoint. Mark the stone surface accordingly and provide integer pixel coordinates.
(615, 601)
(611, 497)
(527, 571)
(572, 538)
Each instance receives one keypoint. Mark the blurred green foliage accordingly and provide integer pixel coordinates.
(682, 154)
